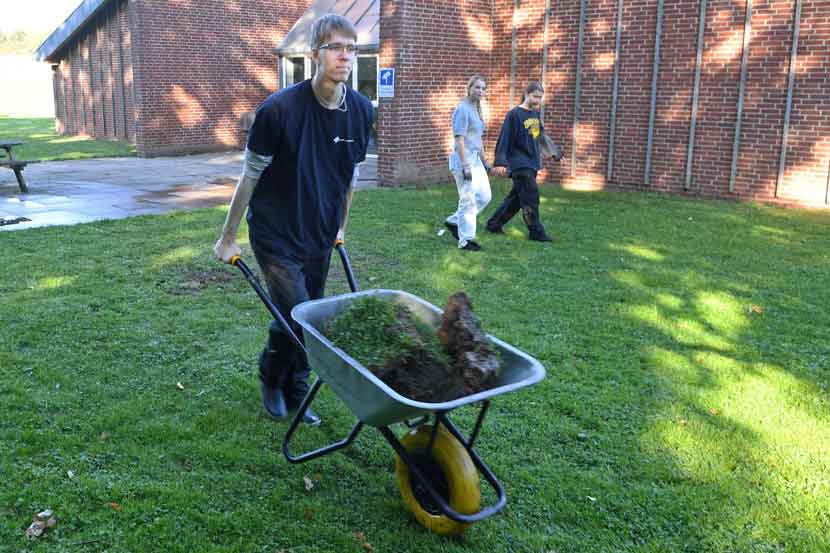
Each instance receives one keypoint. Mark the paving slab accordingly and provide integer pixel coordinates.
(79, 191)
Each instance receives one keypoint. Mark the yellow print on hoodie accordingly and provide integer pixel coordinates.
(532, 126)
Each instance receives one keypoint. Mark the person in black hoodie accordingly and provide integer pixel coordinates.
(518, 148)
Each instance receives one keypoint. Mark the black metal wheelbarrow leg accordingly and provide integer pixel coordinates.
(312, 392)
(295, 422)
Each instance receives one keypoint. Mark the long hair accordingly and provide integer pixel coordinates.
(533, 86)
(470, 84)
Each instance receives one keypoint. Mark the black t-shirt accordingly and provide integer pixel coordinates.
(298, 204)
(518, 143)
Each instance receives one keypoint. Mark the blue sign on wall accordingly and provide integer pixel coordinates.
(386, 89)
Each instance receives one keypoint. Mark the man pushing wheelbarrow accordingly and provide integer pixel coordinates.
(300, 168)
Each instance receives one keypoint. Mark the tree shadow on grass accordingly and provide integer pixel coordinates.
(684, 347)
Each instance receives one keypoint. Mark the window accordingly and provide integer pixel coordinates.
(296, 69)
(365, 78)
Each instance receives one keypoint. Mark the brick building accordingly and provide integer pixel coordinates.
(715, 98)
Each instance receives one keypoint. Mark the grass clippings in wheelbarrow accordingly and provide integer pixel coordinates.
(409, 355)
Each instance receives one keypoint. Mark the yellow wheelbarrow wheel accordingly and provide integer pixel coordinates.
(450, 470)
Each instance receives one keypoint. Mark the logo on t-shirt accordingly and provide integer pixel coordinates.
(338, 139)
(532, 126)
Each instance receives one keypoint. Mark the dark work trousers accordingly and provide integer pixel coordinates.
(525, 196)
(290, 282)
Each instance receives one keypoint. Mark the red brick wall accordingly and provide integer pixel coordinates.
(200, 65)
(435, 47)
(93, 82)
(423, 34)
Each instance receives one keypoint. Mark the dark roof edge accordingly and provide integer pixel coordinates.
(68, 29)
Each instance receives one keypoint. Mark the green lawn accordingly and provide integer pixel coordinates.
(685, 407)
(41, 142)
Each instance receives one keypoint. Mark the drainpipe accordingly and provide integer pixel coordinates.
(545, 52)
(736, 145)
(583, 6)
(513, 55)
(701, 32)
(614, 92)
(654, 77)
(782, 161)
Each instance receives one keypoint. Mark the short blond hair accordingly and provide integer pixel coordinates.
(326, 25)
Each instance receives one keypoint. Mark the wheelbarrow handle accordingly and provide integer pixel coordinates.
(347, 265)
(266, 299)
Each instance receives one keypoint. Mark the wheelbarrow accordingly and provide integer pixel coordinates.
(437, 467)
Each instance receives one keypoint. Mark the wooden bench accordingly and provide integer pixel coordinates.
(16, 165)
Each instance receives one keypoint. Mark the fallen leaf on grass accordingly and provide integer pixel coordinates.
(40, 523)
(713, 412)
(361, 537)
(309, 483)
(115, 506)
(756, 310)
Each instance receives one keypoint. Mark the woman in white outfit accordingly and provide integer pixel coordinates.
(468, 165)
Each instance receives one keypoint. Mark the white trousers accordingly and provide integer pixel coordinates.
(473, 197)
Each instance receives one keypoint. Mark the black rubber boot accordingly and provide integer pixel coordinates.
(273, 401)
(295, 398)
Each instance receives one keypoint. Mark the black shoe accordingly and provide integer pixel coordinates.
(274, 401)
(309, 417)
(453, 229)
(471, 246)
(294, 397)
(541, 237)
(495, 230)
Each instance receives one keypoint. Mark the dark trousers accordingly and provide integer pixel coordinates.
(525, 196)
(290, 282)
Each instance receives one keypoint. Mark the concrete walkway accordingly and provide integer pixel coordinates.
(69, 192)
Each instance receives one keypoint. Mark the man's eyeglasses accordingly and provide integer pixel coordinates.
(339, 47)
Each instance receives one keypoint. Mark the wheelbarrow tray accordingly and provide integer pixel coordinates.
(372, 401)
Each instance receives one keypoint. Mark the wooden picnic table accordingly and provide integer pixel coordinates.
(16, 165)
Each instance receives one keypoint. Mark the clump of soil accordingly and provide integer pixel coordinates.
(473, 354)
(409, 356)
